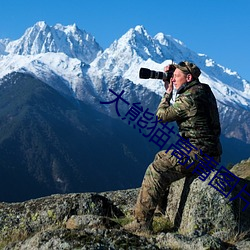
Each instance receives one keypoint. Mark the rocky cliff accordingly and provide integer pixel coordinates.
(197, 216)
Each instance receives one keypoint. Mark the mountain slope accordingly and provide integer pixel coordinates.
(52, 144)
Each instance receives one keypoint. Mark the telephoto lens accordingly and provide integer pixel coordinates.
(145, 73)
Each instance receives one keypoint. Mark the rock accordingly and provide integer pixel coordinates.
(242, 169)
(20, 220)
(85, 239)
(201, 216)
(178, 241)
(124, 199)
(196, 208)
(90, 221)
(243, 245)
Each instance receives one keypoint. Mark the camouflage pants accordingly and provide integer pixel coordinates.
(164, 170)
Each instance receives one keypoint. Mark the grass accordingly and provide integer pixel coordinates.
(123, 220)
(239, 237)
(160, 223)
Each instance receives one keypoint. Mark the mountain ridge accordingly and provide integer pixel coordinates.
(89, 80)
(135, 47)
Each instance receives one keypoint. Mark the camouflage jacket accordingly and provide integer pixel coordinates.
(196, 113)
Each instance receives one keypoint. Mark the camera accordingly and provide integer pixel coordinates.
(146, 73)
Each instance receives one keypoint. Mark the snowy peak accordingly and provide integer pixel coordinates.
(167, 40)
(35, 40)
(42, 38)
(136, 49)
(141, 43)
(132, 48)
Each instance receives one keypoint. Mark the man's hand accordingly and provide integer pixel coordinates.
(168, 85)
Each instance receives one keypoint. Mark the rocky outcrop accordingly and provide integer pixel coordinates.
(197, 216)
(242, 169)
(72, 221)
(198, 209)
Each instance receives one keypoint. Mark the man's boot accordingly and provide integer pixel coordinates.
(139, 226)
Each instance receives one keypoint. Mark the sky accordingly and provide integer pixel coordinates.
(217, 28)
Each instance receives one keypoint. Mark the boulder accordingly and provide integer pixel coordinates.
(196, 208)
(21, 220)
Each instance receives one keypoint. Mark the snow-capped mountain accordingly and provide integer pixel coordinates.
(57, 55)
(50, 138)
(71, 61)
(137, 49)
(41, 38)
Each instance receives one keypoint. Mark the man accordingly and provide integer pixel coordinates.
(195, 111)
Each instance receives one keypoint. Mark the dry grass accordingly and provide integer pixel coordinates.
(239, 237)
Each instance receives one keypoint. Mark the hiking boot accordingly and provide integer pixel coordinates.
(140, 227)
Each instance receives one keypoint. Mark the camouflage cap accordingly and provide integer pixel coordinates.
(189, 68)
